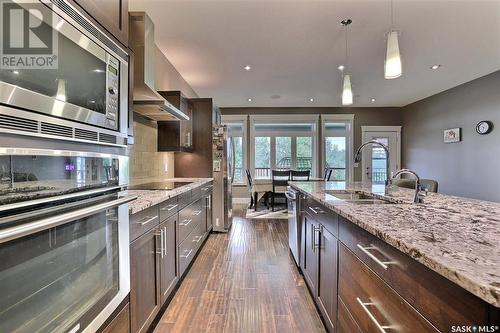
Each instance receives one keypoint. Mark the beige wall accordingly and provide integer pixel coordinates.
(362, 117)
(145, 160)
(468, 168)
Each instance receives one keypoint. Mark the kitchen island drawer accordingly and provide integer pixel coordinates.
(441, 301)
(168, 208)
(187, 249)
(323, 215)
(374, 306)
(189, 218)
(143, 221)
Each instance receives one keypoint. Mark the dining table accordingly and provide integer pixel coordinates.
(264, 186)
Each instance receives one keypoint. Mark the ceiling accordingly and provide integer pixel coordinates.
(294, 48)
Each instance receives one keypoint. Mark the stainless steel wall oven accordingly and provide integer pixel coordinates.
(64, 239)
(84, 98)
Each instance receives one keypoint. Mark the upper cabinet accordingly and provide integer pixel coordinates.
(110, 14)
(176, 135)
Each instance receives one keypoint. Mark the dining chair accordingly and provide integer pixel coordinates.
(300, 174)
(328, 173)
(251, 190)
(280, 182)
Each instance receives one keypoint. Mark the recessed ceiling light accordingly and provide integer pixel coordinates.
(247, 67)
(249, 99)
(341, 67)
(373, 99)
(311, 99)
(435, 66)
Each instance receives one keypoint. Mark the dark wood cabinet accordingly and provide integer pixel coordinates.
(319, 264)
(112, 15)
(165, 240)
(327, 277)
(360, 283)
(144, 280)
(176, 135)
(168, 269)
(200, 162)
(310, 268)
(207, 192)
(372, 303)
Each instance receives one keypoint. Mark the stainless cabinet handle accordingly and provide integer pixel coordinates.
(161, 243)
(312, 237)
(186, 222)
(165, 241)
(366, 250)
(364, 305)
(316, 210)
(169, 207)
(197, 212)
(146, 220)
(198, 239)
(186, 255)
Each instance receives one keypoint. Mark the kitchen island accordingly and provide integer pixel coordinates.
(440, 258)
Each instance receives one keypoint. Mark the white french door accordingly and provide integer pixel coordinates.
(374, 157)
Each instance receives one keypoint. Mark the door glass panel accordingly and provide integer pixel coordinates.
(336, 157)
(80, 77)
(304, 153)
(378, 162)
(28, 177)
(238, 159)
(262, 157)
(50, 279)
(283, 153)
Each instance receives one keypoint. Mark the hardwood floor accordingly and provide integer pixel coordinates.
(243, 281)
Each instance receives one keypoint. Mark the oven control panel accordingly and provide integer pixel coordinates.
(112, 93)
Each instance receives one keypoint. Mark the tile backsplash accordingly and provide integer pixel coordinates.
(145, 160)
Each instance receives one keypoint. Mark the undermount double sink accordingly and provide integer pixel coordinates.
(357, 197)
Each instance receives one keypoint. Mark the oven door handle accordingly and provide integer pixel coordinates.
(54, 221)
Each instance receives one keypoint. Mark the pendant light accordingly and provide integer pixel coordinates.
(392, 67)
(346, 86)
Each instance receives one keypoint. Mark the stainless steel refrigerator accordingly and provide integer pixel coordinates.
(223, 173)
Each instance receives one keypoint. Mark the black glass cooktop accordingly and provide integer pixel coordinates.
(159, 186)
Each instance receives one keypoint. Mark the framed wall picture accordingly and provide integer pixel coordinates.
(452, 135)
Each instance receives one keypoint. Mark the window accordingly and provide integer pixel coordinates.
(283, 144)
(337, 146)
(237, 130)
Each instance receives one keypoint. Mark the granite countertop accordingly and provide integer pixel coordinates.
(148, 198)
(456, 237)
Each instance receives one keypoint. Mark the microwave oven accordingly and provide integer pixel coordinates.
(85, 88)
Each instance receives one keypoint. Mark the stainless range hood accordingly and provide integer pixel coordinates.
(147, 101)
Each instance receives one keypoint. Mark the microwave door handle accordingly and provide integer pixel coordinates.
(54, 221)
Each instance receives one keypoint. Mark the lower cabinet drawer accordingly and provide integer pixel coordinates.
(143, 221)
(345, 322)
(186, 223)
(374, 306)
(187, 249)
(439, 300)
(168, 208)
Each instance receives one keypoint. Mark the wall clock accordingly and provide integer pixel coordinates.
(484, 127)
